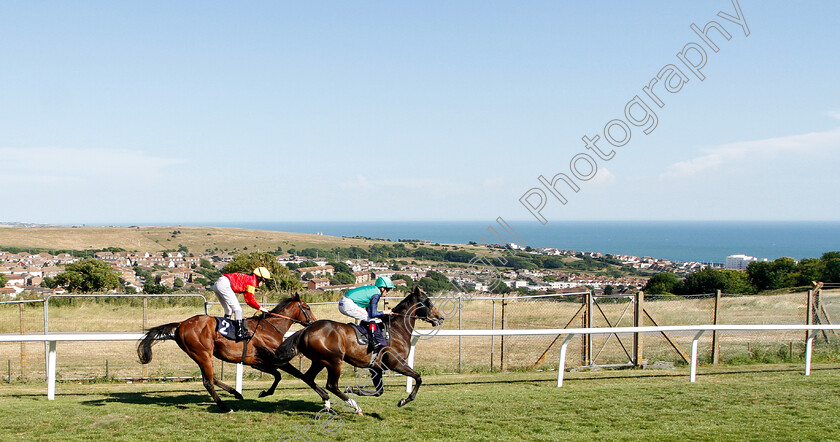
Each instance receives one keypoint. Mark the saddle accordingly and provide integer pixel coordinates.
(362, 332)
(225, 328)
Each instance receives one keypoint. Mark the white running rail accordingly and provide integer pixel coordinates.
(572, 332)
(52, 338)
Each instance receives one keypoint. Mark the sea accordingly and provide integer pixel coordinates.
(706, 241)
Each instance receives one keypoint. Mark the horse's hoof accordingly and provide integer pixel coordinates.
(360, 413)
(263, 394)
(402, 402)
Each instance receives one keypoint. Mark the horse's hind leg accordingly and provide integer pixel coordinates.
(206, 366)
(309, 379)
(333, 374)
(376, 379)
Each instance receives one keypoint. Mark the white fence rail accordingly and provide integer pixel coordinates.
(51, 340)
(572, 332)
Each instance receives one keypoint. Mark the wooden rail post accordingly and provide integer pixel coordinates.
(715, 343)
(638, 321)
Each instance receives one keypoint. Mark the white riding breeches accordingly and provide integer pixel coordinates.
(351, 309)
(227, 297)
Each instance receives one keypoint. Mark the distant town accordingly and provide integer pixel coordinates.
(30, 273)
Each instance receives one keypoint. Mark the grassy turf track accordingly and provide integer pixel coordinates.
(744, 403)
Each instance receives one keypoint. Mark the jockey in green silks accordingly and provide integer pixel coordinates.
(361, 303)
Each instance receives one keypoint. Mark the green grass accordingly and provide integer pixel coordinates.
(743, 403)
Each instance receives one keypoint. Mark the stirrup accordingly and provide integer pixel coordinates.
(373, 344)
(241, 330)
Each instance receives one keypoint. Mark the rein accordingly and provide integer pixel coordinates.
(269, 323)
(422, 318)
(296, 321)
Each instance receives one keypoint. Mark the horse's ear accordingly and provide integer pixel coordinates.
(297, 296)
(416, 290)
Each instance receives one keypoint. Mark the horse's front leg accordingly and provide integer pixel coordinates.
(402, 367)
(272, 371)
(227, 388)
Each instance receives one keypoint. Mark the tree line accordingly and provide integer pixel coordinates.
(760, 276)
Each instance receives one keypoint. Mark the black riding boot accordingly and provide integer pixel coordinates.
(241, 330)
(376, 341)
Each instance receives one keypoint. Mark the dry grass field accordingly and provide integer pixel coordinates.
(156, 239)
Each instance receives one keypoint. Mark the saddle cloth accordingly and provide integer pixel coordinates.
(225, 328)
(362, 332)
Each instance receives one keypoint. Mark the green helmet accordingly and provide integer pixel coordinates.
(384, 281)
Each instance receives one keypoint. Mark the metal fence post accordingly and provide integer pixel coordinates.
(583, 338)
(808, 318)
(460, 327)
(492, 338)
(144, 371)
(22, 347)
(589, 301)
(715, 342)
(502, 351)
(638, 321)
(46, 330)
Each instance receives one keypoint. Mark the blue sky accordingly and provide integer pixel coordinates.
(154, 112)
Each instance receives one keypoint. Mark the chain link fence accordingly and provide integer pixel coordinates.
(25, 361)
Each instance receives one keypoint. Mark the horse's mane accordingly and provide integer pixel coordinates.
(407, 302)
(283, 303)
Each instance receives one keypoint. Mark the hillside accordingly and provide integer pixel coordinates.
(156, 239)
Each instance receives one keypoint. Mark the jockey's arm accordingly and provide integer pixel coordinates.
(372, 310)
(249, 297)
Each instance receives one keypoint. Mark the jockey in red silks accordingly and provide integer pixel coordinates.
(226, 288)
(360, 303)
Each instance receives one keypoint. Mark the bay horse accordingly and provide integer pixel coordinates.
(327, 343)
(198, 337)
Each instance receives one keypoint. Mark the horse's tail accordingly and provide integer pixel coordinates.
(289, 348)
(163, 332)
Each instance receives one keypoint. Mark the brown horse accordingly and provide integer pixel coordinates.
(328, 343)
(198, 337)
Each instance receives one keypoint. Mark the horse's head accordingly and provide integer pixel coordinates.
(296, 309)
(419, 305)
